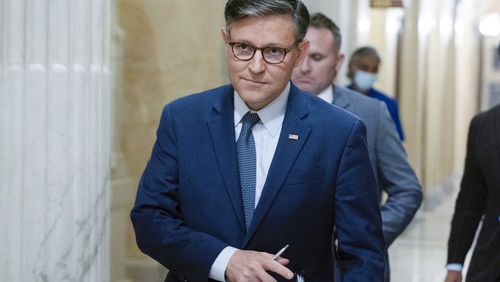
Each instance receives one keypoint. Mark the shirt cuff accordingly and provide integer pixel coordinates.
(218, 269)
(455, 267)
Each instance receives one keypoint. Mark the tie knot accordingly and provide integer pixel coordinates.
(250, 119)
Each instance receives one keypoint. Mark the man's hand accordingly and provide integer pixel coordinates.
(247, 266)
(453, 276)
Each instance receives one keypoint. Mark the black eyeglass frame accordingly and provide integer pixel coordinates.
(255, 49)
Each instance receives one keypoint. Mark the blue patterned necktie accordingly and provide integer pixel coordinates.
(245, 148)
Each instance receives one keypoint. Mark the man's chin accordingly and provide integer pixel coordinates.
(305, 87)
(302, 84)
(255, 100)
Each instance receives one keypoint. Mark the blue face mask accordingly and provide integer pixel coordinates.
(364, 80)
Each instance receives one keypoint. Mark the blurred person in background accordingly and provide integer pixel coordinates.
(478, 199)
(363, 68)
(316, 73)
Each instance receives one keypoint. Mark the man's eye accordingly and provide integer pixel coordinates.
(364, 68)
(317, 57)
(242, 46)
(274, 50)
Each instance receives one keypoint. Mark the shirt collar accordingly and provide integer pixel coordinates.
(327, 94)
(271, 116)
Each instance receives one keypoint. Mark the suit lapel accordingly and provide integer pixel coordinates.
(221, 128)
(286, 153)
(339, 99)
(496, 130)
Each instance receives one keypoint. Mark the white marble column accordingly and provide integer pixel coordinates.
(54, 140)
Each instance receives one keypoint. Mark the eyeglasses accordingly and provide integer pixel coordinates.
(271, 55)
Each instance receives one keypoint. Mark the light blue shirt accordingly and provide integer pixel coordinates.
(455, 267)
(266, 134)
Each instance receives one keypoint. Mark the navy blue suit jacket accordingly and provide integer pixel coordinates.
(189, 208)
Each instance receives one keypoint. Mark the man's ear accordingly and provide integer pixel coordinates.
(340, 61)
(225, 35)
(302, 48)
(350, 70)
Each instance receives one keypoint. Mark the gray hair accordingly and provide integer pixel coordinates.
(319, 20)
(239, 9)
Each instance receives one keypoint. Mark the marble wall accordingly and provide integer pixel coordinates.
(162, 50)
(54, 140)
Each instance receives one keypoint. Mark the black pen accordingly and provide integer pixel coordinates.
(280, 252)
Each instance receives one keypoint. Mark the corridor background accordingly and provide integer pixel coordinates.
(83, 82)
(168, 49)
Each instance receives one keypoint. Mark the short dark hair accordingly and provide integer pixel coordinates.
(362, 52)
(240, 9)
(319, 20)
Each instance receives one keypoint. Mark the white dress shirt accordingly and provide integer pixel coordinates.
(455, 267)
(266, 134)
(327, 94)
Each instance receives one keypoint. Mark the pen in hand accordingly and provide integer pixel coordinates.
(280, 252)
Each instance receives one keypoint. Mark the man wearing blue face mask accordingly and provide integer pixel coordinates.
(363, 68)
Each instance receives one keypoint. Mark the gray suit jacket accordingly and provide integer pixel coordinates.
(388, 157)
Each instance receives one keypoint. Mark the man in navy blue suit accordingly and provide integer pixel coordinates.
(240, 171)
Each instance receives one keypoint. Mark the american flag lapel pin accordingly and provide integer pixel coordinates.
(292, 136)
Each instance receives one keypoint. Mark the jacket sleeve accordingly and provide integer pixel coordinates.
(357, 211)
(157, 218)
(396, 178)
(470, 203)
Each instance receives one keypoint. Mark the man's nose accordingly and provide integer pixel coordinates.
(257, 64)
(305, 65)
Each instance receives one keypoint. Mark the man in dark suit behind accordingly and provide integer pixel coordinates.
(239, 171)
(478, 198)
(315, 73)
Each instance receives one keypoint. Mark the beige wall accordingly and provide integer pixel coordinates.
(438, 94)
(411, 98)
(163, 50)
(385, 27)
(170, 49)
